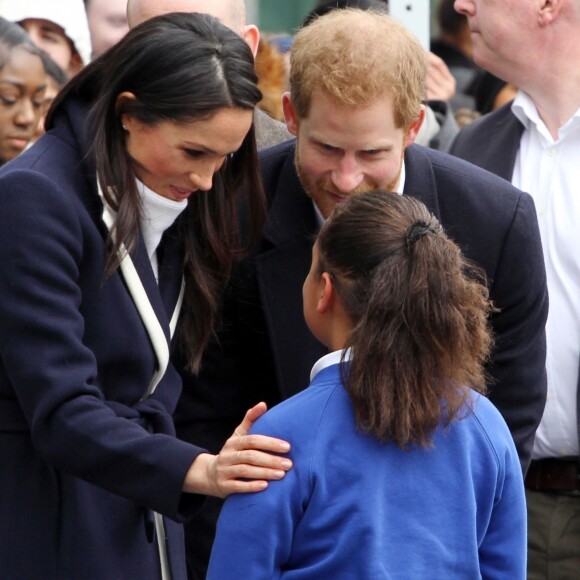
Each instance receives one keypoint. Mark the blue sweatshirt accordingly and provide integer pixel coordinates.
(355, 508)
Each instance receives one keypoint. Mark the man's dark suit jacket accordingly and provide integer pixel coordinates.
(266, 350)
(493, 142)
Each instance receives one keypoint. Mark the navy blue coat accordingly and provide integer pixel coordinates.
(86, 455)
(266, 350)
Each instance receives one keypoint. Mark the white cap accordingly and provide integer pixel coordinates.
(70, 15)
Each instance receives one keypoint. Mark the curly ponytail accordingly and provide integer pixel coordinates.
(420, 336)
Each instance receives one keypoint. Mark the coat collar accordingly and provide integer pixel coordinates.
(291, 215)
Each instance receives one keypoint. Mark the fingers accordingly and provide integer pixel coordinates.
(250, 471)
(258, 441)
(251, 415)
(441, 84)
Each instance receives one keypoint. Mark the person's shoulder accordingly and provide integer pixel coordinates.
(482, 130)
(464, 174)
(304, 411)
(276, 154)
(492, 425)
(269, 131)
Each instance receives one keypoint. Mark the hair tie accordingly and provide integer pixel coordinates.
(416, 231)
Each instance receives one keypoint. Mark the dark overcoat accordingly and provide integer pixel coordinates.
(266, 351)
(87, 453)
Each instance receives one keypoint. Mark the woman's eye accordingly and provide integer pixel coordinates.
(193, 153)
(8, 101)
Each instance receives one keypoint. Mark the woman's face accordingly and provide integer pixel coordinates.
(22, 88)
(178, 159)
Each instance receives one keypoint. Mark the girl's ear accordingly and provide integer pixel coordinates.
(327, 294)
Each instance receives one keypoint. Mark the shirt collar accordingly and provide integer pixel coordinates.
(332, 358)
(526, 112)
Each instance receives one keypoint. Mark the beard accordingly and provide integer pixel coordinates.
(326, 196)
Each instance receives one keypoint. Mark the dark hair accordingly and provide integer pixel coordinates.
(323, 8)
(180, 67)
(419, 310)
(11, 36)
(485, 87)
(57, 74)
(449, 20)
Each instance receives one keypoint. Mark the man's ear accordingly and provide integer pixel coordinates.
(252, 38)
(327, 294)
(289, 114)
(414, 128)
(549, 11)
(75, 64)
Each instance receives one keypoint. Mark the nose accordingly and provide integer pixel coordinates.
(202, 181)
(202, 176)
(26, 115)
(347, 174)
(465, 7)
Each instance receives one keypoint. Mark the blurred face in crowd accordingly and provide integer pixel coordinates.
(107, 24)
(177, 159)
(346, 150)
(231, 13)
(52, 39)
(22, 89)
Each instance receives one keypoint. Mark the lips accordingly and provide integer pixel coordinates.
(338, 198)
(18, 142)
(179, 192)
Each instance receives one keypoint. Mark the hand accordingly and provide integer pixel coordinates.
(441, 84)
(244, 464)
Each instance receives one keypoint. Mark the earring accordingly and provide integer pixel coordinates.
(124, 127)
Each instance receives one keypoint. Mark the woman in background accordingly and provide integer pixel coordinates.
(117, 233)
(402, 469)
(23, 83)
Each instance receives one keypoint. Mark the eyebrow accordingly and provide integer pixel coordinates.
(22, 86)
(197, 146)
(50, 27)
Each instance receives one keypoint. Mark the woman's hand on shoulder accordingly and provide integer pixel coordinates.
(245, 463)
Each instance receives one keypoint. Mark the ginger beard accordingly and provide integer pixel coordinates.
(326, 196)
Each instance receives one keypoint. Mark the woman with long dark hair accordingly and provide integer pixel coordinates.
(117, 234)
(402, 468)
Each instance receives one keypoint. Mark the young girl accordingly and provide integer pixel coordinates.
(402, 469)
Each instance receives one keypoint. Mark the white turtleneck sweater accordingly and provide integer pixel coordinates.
(158, 215)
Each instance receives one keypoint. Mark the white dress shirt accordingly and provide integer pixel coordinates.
(549, 170)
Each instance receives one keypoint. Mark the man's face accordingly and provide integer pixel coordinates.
(52, 39)
(345, 150)
(500, 30)
(107, 23)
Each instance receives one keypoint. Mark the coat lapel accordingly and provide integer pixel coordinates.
(138, 275)
(420, 180)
